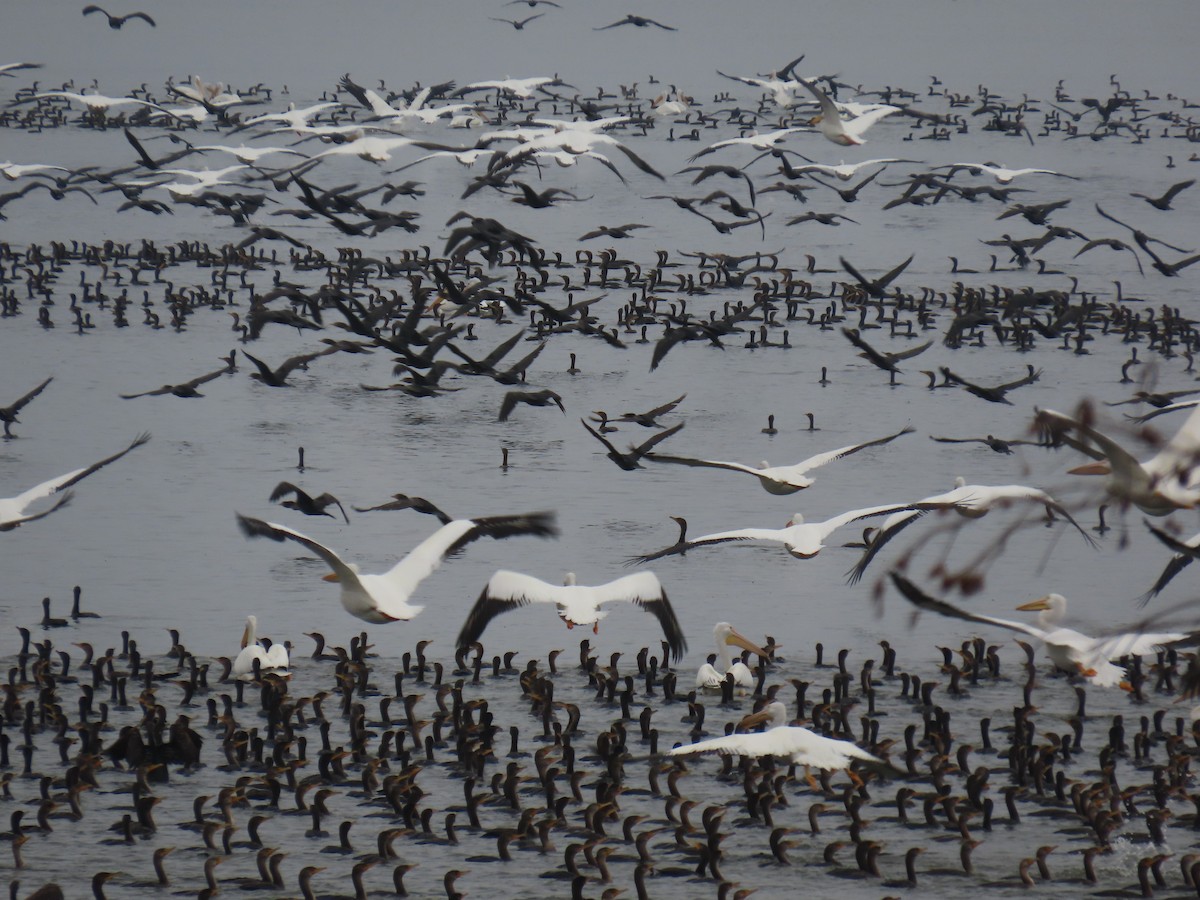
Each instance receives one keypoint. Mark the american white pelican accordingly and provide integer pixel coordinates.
(792, 742)
(518, 87)
(578, 604)
(845, 171)
(98, 104)
(292, 117)
(766, 142)
(12, 509)
(1168, 481)
(248, 155)
(781, 480)
(726, 636)
(384, 598)
(273, 660)
(1068, 649)
(847, 133)
(973, 501)
(377, 149)
(1000, 173)
(12, 171)
(803, 540)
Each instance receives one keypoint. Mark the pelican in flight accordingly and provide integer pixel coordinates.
(1167, 481)
(781, 479)
(1068, 649)
(12, 509)
(272, 660)
(846, 132)
(803, 540)
(792, 742)
(727, 636)
(578, 604)
(379, 599)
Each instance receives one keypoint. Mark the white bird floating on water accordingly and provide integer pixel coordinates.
(1068, 649)
(792, 742)
(384, 598)
(578, 604)
(708, 676)
(12, 509)
(273, 660)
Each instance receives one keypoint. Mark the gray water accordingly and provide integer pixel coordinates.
(152, 540)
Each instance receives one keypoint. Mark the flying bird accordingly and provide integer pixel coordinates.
(630, 460)
(309, 505)
(12, 509)
(835, 128)
(8, 414)
(404, 501)
(544, 397)
(639, 21)
(518, 24)
(384, 598)
(116, 22)
(186, 389)
(577, 604)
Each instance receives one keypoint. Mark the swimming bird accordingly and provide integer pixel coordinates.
(385, 597)
(577, 604)
(639, 21)
(726, 636)
(116, 22)
(305, 503)
(1068, 649)
(782, 480)
(275, 659)
(12, 510)
(630, 460)
(791, 742)
(835, 128)
(1159, 486)
(8, 414)
(801, 539)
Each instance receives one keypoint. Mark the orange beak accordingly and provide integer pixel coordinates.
(332, 576)
(1099, 467)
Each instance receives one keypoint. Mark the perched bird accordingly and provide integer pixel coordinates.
(1069, 650)
(782, 480)
(305, 503)
(12, 510)
(116, 22)
(792, 742)
(385, 598)
(577, 604)
(8, 414)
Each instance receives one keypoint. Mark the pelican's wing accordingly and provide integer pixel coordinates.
(1055, 425)
(46, 488)
(923, 601)
(505, 591)
(1135, 643)
(859, 125)
(827, 108)
(258, 528)
(741, 534)
(703, 463)
(424, 559)
(1182, 452)
(892, 527)
(822, 458)
(19, 520)
(831, 525)
(1185, 552)
(643, 589)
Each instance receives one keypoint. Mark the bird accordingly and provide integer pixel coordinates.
(305, 503)
(801, 539)
(186, 389)
(116, 22)
(404, 501)
(972, 501)
(1000, 173)
(544, 397)
(1164, 202)
(1159, 486)
(577, 604)
(1069, 650)
(791, 742)
(275, 659)
(639, 21)
(518, 24)
(993, 394)
(845, 132)
(630, 460)
(649, 419)
(998, 445)
(7, 69)
(384, 598)
(782, 480)
(1185, 553)
(278, 376)
(8, 414)
(726, 636)
(12, 509)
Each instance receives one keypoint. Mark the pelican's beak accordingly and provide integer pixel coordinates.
(332, 576)
(815, 120)
(738, 640)
(1099, 467)
(245, 635)
(753, 719)
(1035, 605)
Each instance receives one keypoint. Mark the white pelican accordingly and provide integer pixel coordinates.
(377, 149)
(792, 742)
(248, 155)
(12, 171)
(973, 501)
(292, 117)
(767, 141)
(578, 604)
(384, 598)
(1168, 481)
(273, 660)
(518, 87)
(98, 104)
(803, 540)
(845, 171)
(12, 509)
(848, 133)
(1068, 649)
(708, 676)
(1000, 173)
(781, 479)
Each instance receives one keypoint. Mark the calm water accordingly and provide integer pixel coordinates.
(152, 539)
